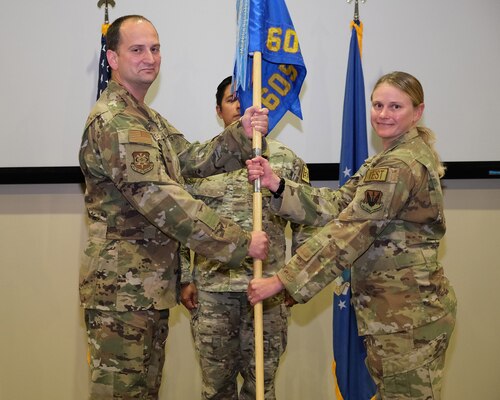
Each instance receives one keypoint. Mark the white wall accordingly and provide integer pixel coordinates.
(52, 48)
(42, 336)
(49, 74)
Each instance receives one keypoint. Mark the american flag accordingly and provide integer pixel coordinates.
(104, 72)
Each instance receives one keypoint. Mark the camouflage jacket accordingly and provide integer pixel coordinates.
(232, 196)
(133, 161)
(385, 224)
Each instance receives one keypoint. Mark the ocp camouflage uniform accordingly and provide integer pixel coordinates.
(133, 161)
(222, 324)
(385, 224)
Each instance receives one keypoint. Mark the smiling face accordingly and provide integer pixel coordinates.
(393, 113)
(229, 108)
(136, 61)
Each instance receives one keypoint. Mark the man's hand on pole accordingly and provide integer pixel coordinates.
(259, 245)
(255, 118)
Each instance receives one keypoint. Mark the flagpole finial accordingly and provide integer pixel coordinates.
(356, 8)
(107, 3)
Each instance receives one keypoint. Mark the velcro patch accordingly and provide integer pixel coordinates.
(305, 173)
(140, 137)
(141, 162)
(209, 218)
(309, 249)
(372, 201)
(377, 175)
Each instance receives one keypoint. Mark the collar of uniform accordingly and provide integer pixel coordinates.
(410, 135)
(121, 91)
(127, 97)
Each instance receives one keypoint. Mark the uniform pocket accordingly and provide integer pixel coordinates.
(415, 358)
(415, 374)
(141, 156)
(97, 257)
(210, 190)
(309, 249)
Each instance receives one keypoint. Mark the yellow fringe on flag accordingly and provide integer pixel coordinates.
(338, 395)
(104, 29)
(359, 31)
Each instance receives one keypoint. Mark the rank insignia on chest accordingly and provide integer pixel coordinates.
(141, 162)
(372, 201)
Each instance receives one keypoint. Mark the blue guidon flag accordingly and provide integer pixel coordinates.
(266, 26)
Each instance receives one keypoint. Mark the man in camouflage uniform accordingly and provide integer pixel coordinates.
(385, 224)
(133, 161)
(222, 317)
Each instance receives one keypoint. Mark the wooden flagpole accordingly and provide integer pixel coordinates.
(257, 226)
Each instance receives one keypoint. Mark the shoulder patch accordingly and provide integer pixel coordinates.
(305, 173)
(140, 137)
(372, 202)
(141, 162)
(377, 175)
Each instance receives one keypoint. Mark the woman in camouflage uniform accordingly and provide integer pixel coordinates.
(221, 316)
(385, 224)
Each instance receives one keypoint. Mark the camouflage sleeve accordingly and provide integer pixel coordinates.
(315, 206)
(304, 204)
(290, 166)
(300, 233)
(185, 252)
(225, 152)
(309, 205)
(379, 197)
(133, 162)
(185, 258)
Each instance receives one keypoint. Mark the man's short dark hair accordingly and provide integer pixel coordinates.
(113, 34)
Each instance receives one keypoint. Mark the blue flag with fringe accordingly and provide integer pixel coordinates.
(353, 382)
(266, 26)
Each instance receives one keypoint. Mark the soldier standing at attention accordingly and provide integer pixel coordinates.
(385, 224)
(222, 318)
(134, 161)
